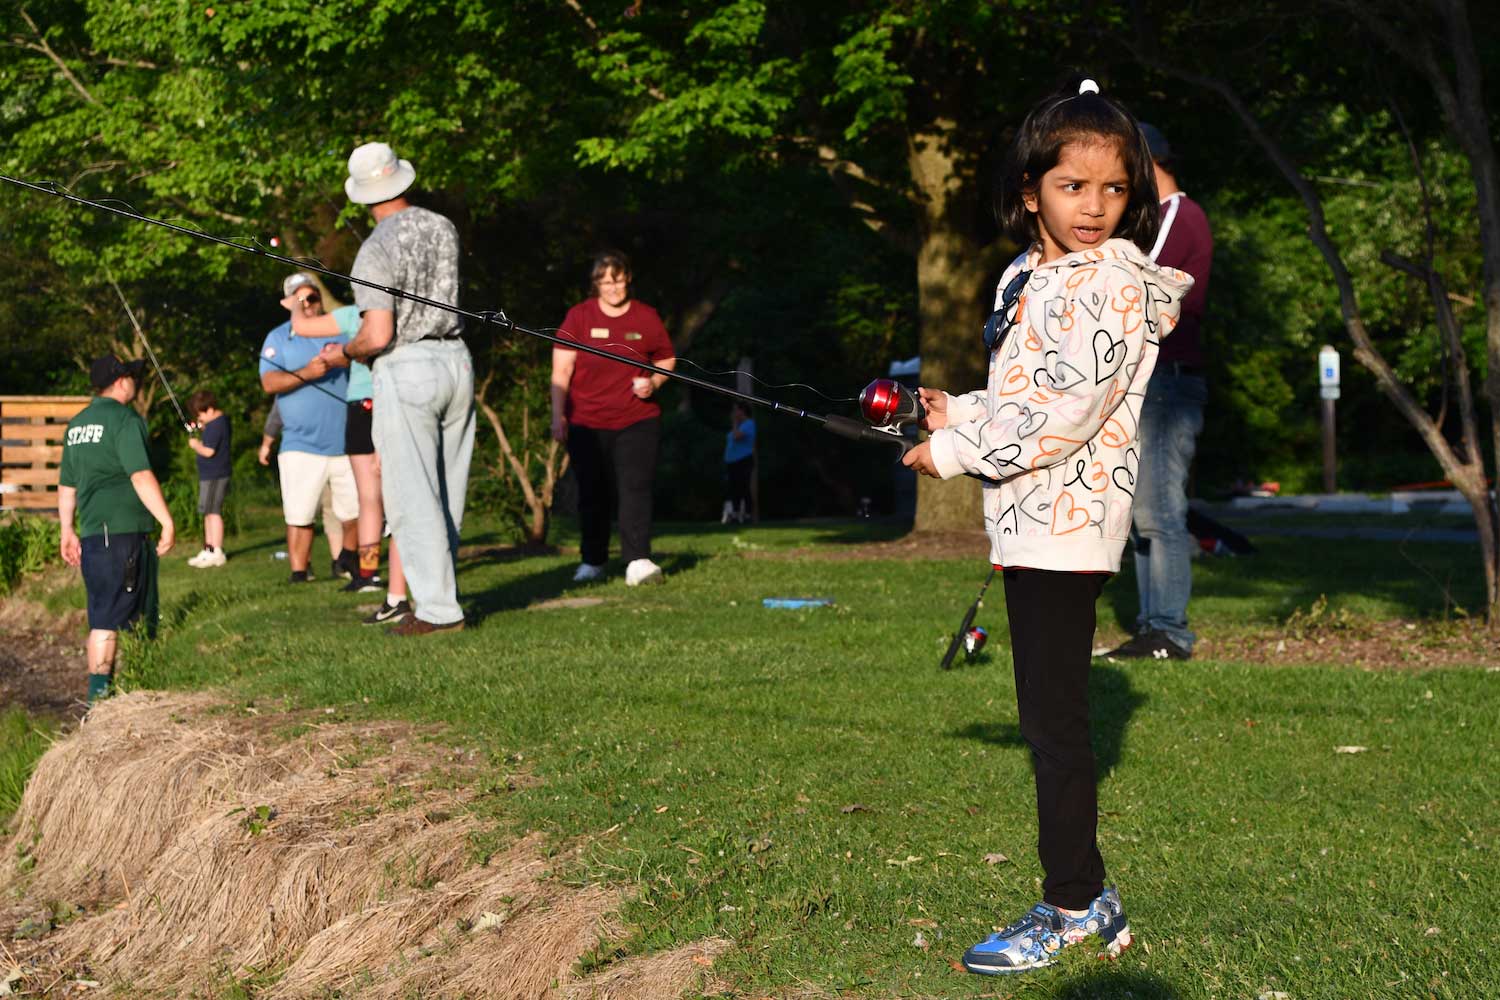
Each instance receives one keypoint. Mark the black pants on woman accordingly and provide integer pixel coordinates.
(1051, 635)
(739, 481)
(625, 460)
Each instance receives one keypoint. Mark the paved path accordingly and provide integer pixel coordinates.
(1368, 532)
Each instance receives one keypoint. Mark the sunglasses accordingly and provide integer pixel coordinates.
(1004, 318)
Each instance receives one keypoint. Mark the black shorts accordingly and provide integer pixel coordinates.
(211, 494)
(119, 576)
(357, 439)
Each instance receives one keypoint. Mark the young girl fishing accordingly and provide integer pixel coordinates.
(1071, 345)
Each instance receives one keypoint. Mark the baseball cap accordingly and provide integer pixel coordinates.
(108, 370)
(296, 281)
(1161, 150)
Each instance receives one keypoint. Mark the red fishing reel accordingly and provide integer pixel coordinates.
(887, 403)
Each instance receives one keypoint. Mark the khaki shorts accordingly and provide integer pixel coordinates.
(302, 478)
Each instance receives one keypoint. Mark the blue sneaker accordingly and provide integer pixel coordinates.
(1034, 941)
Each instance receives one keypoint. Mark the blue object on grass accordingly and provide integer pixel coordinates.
(797, 602)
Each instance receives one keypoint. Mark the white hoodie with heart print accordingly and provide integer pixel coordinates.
(1055, 429)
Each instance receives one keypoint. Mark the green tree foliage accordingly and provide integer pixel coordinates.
(805, 185)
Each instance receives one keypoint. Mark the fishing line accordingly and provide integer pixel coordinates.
(186, 423)
(834, 423)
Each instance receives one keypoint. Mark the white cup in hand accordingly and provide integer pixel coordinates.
(642, 386)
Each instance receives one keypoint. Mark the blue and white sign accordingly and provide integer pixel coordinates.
(1328, 372)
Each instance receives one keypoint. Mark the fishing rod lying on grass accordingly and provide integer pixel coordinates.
(895, 407)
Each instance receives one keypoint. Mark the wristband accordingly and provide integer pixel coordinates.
(344, 350)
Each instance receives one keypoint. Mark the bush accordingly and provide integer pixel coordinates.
(28, 544)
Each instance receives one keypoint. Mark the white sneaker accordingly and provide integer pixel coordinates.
(214, 558)
(198, 560)
(643, 571)
(588, 574)
(728, 512)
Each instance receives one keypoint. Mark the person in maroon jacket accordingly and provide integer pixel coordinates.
(1171, 419)
(603, 411)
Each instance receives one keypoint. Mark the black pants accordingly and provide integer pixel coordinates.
(1051, 634)
(739, 481)
(622, 460)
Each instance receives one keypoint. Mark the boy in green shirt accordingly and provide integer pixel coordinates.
(106, 479)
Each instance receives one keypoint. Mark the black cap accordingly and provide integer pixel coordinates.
(1161, 150)
(106, 371)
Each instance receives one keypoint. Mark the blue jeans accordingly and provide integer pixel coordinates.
(424, 433)
(1171, 418)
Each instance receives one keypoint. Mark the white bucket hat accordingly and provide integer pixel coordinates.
(375, 175)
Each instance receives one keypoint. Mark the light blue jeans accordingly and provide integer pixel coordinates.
(1171, 418)
(423, 429)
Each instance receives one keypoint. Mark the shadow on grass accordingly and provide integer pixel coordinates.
(242, 549)
(1113, 984)
(866, 531)
(523, 591)
(1112, 701)
(1417, 580)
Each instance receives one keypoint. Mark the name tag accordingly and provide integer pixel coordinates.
(600, 333)
(632, 336)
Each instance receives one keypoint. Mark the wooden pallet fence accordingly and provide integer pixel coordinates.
(31, 445)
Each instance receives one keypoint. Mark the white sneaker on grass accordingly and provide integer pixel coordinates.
(211, 558)
(587, 573)
(197, 561)
(643, 571)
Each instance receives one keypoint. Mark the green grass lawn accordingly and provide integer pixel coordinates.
(809, 784)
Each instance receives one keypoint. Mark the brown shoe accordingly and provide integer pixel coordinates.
(416, 626)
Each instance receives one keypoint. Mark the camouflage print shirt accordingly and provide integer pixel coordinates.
(416, 251)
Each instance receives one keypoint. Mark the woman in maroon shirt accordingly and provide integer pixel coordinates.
(603, 411)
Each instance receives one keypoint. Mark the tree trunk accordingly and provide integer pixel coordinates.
(953, 273)
(537, 496)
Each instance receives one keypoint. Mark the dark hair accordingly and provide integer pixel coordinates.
(203, 399)
(606, 261)
(1069, 117)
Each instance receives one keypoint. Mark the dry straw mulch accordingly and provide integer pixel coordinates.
(199, 846)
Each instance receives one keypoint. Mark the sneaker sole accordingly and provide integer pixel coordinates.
(1003, 970)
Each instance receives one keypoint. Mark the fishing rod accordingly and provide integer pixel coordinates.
(961, 637)
(894, 415)
(186, 423)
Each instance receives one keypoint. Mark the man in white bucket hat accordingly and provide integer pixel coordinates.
(423, 424)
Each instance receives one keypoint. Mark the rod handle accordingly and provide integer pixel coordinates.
(857, 430)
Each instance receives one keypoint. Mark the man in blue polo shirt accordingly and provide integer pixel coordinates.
(310, 397)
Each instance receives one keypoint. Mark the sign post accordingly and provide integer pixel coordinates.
(1328, 389)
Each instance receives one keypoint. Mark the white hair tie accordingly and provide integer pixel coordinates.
(1088, 87)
